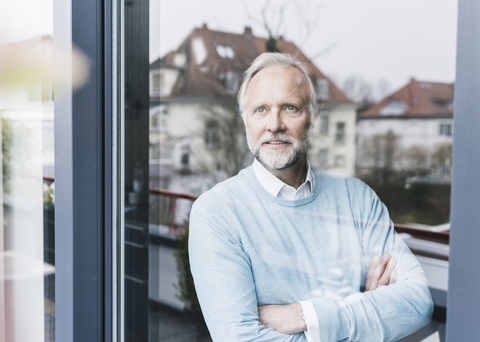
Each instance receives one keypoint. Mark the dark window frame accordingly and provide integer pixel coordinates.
(83, 148)
(83, 175)
(445, 129)
(340, 133)
(212, 134)
(463, 301)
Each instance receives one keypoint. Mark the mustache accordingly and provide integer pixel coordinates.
(277, 136)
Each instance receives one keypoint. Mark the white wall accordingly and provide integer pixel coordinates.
(419, 132)
(187, 120)
(347, 115)
(422, 132)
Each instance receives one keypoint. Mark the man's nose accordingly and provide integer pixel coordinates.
(275, 122)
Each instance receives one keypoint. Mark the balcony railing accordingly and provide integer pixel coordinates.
(443, 237)
(169, 215)
(422, 233)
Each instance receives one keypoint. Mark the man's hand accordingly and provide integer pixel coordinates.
(286, 319)
(380, 272)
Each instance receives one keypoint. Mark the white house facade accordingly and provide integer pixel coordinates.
(416, 122)
(194, 116)
(333, 144)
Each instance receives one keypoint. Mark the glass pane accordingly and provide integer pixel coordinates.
(381, 118)
(27, 244)
(136, 158)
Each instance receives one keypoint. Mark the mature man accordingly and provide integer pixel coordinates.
(280, 251)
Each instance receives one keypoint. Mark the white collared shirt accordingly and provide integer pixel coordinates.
(279, 189)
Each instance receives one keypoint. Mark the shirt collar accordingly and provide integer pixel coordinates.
(273, 184)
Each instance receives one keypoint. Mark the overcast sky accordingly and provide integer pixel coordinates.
(374, 39)
(25, 19)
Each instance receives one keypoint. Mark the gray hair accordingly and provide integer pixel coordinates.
(273, 59)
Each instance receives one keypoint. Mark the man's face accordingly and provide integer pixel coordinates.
(277, 120)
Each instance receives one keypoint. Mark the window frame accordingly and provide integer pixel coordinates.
(463, 302)
(84, 175)
(85, 143)
(445, 129)
(340, 133)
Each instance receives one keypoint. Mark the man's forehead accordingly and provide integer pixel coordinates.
(293, 74)
(288, 77)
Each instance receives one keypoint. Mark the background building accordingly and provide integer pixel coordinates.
(409, 131)
(196, 135)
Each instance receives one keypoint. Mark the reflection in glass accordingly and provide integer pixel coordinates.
(27, 247)
(196, 139)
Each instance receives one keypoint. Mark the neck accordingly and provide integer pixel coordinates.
(294, 175)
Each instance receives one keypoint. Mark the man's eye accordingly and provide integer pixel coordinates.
(291, 108)
(260, 110)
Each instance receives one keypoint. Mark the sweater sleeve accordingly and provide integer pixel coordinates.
(224, 282)
(389, 312)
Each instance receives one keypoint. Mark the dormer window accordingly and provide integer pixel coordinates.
(450, 104)
(425, 85)
(225, 51)
(199, 50)
(394, 108)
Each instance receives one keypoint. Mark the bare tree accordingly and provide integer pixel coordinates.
(442, 159)
(357, 89)
(360, 90)
(415, 160)
(380, 153)
(301, 13)
(382, 88)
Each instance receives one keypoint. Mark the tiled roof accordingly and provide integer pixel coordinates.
(417, 98)
(215, 58)
(335, 96)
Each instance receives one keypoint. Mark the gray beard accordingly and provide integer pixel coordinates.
(281, 159)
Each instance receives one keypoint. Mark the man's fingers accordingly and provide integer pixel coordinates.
(371, 270)
(378, 272)
(393, 278)
(385, 278)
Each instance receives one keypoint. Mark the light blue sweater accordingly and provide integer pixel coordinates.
(248, 248)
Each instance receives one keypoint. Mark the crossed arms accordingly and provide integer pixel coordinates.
(233, 292)
(287, 319)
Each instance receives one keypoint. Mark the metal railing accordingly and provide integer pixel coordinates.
(168, 209)
(421, 233)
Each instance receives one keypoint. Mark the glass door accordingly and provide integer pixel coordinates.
(182, 66)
